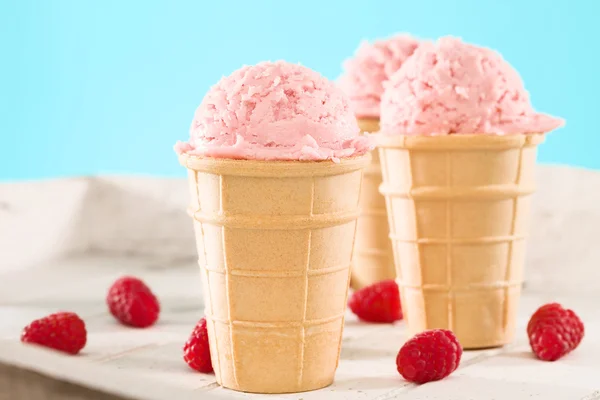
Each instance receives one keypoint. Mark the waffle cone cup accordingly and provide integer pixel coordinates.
(373, 257)
(458, 208)
(275, 241)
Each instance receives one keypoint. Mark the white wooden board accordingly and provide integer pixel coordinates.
(147, 363)
(63, 242)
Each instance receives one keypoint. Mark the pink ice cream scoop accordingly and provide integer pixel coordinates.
(373, 64)
(275, 111)
(451, 87)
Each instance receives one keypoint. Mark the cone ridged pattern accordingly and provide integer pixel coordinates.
(458, 208)
(275, 243)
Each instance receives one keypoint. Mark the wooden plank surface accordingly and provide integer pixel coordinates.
(146, 364)
(19, 383)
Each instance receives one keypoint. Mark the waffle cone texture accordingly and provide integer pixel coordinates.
(458, 208)
(275, 242)
(373, 257)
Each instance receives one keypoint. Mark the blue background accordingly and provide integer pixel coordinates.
(91, 87)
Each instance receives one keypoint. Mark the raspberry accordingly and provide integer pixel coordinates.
(132, 302)
(63, 331)
(429, 356)
(379, 302)
(196, 351)
(554, 331)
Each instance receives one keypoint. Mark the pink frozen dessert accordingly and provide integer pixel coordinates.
(373, 64)
(451, 87)
(275, 111)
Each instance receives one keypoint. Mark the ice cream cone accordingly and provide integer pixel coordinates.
(458, 208)
(373, 258)
(275, 242)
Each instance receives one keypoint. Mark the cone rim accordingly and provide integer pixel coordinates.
(368, 124)
(274, 168)
(459, 141)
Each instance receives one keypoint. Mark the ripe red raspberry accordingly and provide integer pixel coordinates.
(429, 356)
(196, 351)
(554, 331)
(132, 302)
(63, 331)
(379, 302)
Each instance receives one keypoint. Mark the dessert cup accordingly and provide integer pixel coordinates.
(373, 258)
(275, 241)
(458, 208)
